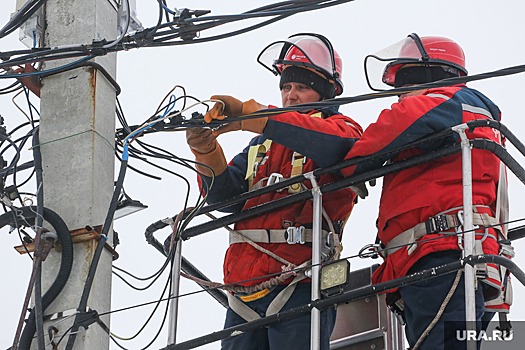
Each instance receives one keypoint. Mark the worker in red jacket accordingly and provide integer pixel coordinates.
(289, 144)
(421, 207)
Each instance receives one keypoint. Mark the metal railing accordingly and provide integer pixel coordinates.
(317, 304)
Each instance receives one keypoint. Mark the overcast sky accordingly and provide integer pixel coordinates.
(491, 34)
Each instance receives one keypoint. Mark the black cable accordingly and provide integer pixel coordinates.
(145, 37)
(137, 277)
(25, 12)
(26, 180)
(12, 165)
(17, 85)
(30, 106)
(157, 304)
(117, 343)
(27, 213)
(87, 63)
(219, 20)
(39, 222)
(151, 32)
(22, 140)
(24, 166)
(188, 24)
(36, 57)
(20, 126)
(155, 277)
(154, 177)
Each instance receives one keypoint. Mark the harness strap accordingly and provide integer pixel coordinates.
(275, 236)
(297, 169)
(256, 156)
(247, 313)
(435, 224)
(298, 161)
(278, 302)
(242, 309)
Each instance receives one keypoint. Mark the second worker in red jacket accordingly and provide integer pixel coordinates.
(421, 207)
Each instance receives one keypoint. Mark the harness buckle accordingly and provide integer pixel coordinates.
(298, 156)
(274, 178)
(436, 224)
(295, 235)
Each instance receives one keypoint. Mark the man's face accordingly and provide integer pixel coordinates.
(296, 93)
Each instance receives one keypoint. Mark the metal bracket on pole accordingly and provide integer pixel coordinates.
(468, 231)
(174, 292)
(317, 212)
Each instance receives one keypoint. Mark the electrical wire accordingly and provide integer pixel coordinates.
(12, 165)
(159, 271)
(109, 218)
(154, 277)
(47, 72)
(39, 222)
(152, 154)
(189, 26)
(25, 12)
(157, 304)
(17, 85)
(165, 155)
(123, 29)
(186, 27)
(19, 216)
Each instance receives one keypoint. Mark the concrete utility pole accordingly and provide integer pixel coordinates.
(77, 143)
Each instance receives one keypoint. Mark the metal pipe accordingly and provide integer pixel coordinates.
(174, 293)
(468, 232)
(394, 338)
(317, 214)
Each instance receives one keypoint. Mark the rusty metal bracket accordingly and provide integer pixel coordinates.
(84, 234)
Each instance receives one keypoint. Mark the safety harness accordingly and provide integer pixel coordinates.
(439, 223)
(499, 297)
(331, 247)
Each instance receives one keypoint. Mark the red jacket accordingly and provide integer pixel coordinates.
(323, 142)
(412, 196)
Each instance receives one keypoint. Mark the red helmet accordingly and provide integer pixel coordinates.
(311, 51)
(426, 51)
